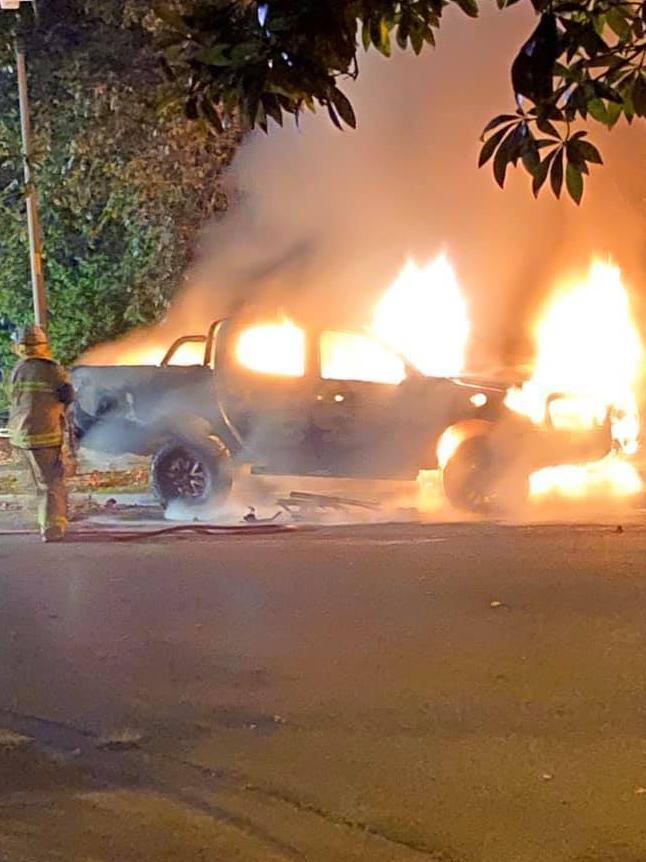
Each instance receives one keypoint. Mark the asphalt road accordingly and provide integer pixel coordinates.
(376, 693)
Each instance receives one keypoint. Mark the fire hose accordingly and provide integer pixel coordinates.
(184, 529)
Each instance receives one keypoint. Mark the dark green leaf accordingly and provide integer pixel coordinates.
(261, 118)
(589, 152)
(211, 115)
(639, 95)
(429, 36)
(597, 109)
(272, 108)
(334, 117)
(531, 71)
(605, 61)
(365, 35)
(547, 128)
(344, 108)
(556, 173)
(530, 156)
(469, 6)
(604, 91)
(490, 145)
(614, 112)
(497, 121)
(617, 22)
(540, 173)
(375, 32)
(417, 39)
(574, 182)
(402, 36)
(505, 154)
(628, 105)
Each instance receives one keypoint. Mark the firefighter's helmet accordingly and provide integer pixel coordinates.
(30, 336)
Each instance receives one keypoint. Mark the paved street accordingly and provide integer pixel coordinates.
(453, 692)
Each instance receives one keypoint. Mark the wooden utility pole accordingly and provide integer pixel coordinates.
(31, 195)
(33, 221)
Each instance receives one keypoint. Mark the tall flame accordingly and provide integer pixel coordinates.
(423, 316)
(589, 349)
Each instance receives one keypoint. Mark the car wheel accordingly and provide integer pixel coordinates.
(194, 472)
(476, 481)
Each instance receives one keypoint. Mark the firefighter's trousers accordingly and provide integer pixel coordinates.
(48, 474)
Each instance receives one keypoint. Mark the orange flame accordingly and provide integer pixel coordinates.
(273, 348)
(424, 317)
(589, 349)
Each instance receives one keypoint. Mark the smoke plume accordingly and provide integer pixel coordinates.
(324, 220)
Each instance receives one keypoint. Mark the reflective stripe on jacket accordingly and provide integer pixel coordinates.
(40, 391)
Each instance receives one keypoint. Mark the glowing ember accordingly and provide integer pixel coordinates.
(273, 348)
(423, 316)
(588, 348)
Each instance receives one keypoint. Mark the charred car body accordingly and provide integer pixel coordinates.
(199, 421)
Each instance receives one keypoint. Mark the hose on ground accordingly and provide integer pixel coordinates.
(183, 529)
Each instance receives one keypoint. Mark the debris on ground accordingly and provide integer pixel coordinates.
(120, 740)
(88, 506)
(301, 505)
(9, 741)
(252, 518)
(496, 604)
(83, 508)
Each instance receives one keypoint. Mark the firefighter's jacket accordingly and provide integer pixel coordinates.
(40, 392)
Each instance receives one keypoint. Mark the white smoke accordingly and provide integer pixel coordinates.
(325, 219)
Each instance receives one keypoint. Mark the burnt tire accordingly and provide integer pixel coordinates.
(476, 480)
(195, 472)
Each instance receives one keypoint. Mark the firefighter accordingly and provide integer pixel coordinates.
(40, 393)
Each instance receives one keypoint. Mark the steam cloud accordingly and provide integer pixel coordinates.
(326, 219)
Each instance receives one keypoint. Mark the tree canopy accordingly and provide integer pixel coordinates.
(137, 108)
(260, 60)
(125, 181)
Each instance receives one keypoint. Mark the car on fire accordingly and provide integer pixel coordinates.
(339, 404)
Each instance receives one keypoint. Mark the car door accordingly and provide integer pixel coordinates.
(265, 382)
(356, 405)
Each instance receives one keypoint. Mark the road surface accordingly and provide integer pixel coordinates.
(449, 692)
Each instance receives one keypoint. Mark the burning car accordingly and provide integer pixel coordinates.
(297, 401)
